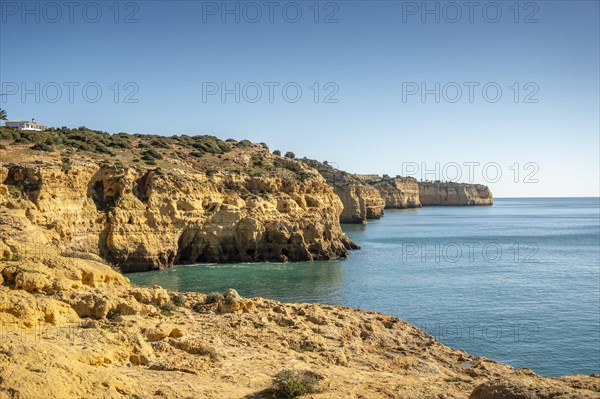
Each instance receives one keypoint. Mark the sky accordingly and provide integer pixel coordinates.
(501, 93)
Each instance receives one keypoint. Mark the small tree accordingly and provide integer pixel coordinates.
(290, 154)
(277, 152)
(3, 116)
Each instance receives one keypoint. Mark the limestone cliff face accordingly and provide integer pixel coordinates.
(399, 192)
(360, 201)
(438, 193)
(144, 219)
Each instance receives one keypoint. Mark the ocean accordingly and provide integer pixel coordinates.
(517, 282)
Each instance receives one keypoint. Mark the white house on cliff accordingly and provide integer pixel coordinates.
(26, 125)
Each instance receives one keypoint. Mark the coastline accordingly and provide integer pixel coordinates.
(77, 328)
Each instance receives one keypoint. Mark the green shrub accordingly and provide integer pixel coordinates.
(277, 152)
(167, 309)
(178, 300)
(151, 154)
(101, 149)
(42, 147)
(244, 144)
(223, 146)
(159, 143)
(196, 154)
(7, 134)
(290, 154)
(199, 307)
(120, 143)
(210, 144)
(294, 383)
(214, 297)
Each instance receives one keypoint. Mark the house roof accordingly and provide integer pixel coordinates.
(37, 123)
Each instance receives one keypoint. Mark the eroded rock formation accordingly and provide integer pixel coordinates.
(143, 219)
(446, 194)
(360, 201)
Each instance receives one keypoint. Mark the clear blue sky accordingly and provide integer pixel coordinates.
(372, 57)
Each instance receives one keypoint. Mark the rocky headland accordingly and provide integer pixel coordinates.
(75, 204)
(243, 204)
(454, 194)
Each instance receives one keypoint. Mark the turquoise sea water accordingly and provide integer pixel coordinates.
(518, 282)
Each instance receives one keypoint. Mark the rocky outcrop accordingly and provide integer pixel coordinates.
(534, 387)
(360, 201)
(446, 193)
(80, 330)
(398, 192)
(143, 219)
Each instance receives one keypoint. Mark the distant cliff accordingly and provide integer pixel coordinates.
(399, 192)
(365, 196)
(360, 200)
(448, 194)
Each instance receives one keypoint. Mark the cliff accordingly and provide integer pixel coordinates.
(73, 327)
(399, 192)
(446, 194)
(243, 205)
(360, 201)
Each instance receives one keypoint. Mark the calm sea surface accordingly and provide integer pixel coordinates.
(518, 282)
